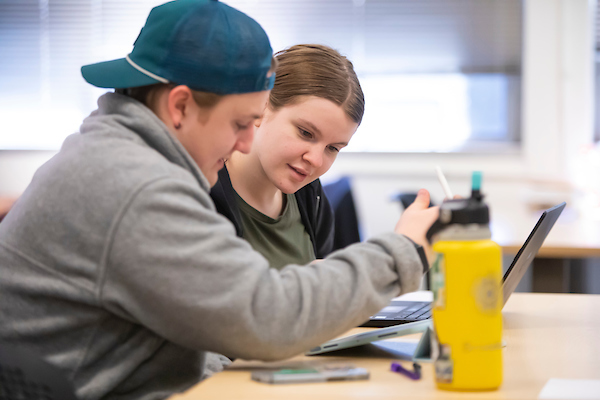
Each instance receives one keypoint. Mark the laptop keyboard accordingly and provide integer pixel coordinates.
(415, 313)
(400, 312)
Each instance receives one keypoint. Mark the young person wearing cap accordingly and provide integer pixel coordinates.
(114, 264)
(273, 194)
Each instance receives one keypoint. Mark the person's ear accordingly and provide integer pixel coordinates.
(266, 110)
(178, 103)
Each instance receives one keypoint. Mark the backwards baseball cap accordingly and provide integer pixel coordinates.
(203, 44)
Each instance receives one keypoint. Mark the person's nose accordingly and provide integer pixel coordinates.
(314, 156)
(245, 138)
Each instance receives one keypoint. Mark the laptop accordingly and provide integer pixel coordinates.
(402, 312)
(399, 324)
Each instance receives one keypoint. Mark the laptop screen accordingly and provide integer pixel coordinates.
(527, 253)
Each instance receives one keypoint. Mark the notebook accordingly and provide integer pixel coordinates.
(402, 312)
(396, 323)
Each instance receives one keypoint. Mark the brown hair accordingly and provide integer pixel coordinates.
(147, 94)
(317, 70)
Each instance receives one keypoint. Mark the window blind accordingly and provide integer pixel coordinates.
(401, 35)
(43, 44)
(597, 77)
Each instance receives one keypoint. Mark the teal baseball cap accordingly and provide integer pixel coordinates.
(203, 44)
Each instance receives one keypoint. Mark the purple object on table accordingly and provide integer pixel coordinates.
(415, 375)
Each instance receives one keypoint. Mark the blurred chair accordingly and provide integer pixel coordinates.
(25, 376)
(340, 197)
(407, 198)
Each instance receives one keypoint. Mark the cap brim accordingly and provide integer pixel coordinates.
(117, 74)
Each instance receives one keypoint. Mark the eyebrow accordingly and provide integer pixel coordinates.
(249, 116)
(312, 127)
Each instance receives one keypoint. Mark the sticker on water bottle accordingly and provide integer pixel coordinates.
(438, 281)
(487, 293)
(441, 354)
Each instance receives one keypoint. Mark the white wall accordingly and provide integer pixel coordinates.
(17, 169)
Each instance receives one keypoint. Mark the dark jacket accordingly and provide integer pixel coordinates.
(315, 210)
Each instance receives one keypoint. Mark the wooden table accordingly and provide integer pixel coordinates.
(547, 336)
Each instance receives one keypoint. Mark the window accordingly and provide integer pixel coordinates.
(44, 43)
(597, 78)
(438, 75)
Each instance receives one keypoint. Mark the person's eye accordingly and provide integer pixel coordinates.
(241, 127)
(333, 149)
(305, 134)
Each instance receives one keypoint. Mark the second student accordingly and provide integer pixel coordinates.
(273, 194)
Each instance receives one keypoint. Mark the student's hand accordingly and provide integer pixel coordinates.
(417, 219)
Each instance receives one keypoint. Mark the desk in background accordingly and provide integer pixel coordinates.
(573, 238)
(547, 336)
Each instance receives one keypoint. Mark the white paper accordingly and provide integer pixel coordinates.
(571, 389)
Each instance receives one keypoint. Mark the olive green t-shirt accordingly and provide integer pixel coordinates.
(281, 241)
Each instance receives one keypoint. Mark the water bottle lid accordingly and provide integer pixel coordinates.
(463, 211)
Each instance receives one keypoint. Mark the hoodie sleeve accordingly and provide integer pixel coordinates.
(176, 266)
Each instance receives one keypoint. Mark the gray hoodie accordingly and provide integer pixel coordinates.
(116, 268)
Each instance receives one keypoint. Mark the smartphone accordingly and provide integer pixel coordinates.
(304, 375)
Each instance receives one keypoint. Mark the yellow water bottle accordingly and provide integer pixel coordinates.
(466, 282)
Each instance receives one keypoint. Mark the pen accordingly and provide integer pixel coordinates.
(414, 375)
(444, 183)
